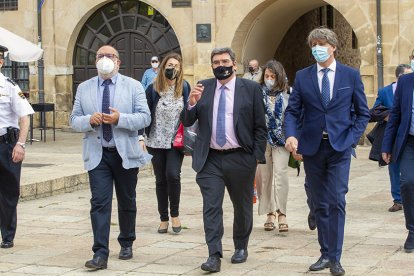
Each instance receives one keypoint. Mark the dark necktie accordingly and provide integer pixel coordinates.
(326, 95)
(106, 128)
(221, 118)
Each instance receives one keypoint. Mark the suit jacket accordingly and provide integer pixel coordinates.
(248, 118)
(399, 122)
(385, 96)
(345, 118)
(130, 101)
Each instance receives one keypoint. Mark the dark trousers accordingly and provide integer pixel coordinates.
(9, 191)
(102, 179)
(407, 188)
(309, 198)
(235, 171)
(167, 169)
(328, 173)
(394, 171)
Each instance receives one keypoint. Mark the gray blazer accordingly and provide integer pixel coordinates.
(130, 101)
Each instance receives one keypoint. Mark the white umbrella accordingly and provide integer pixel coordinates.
(20, 49)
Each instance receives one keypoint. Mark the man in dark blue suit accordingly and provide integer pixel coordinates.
(398, 146)
(335, 114)
(386, 98)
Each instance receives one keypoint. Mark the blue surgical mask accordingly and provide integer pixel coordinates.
(320, 53)
(412, 64)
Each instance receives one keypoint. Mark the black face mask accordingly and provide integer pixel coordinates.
(223, 72)
(251, 69)
(170, 74)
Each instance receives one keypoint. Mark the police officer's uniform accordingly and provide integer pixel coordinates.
(13, 105)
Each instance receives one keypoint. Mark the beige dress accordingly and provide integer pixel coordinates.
(272, 180)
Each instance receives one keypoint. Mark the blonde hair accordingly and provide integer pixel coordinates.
(161, 84)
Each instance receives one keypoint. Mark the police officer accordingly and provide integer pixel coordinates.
(14, 125)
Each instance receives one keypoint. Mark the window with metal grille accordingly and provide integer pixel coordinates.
(17, 71)
(8, 5)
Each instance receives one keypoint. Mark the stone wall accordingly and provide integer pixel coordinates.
(294, 52)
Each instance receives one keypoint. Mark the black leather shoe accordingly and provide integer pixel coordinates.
(321, 264)
(5, 244)
(239, 256)
(336, 269)
(125, 253)
(97, 263)
(213, 264)
(311, 222)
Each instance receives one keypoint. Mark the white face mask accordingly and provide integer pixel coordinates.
(155, 65)
(269, 84)
(105, 66)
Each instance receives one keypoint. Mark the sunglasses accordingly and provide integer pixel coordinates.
(111, 56)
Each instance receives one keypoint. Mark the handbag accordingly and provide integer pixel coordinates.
(185, 138)
(178, 141)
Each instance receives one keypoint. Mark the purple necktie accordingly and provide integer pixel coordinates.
(221, 118)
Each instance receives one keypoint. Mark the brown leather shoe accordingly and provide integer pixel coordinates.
(396, 207)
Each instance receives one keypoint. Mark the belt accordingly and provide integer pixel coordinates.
(226, 150)
(325, 136)
(109, 148)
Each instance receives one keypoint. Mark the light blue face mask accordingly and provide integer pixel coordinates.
(320, 53)
(412, 64)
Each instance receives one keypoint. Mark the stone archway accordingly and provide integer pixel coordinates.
(263, 24)
(135, 28)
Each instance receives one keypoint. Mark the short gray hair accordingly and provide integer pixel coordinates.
(323, 33)
(224, 50)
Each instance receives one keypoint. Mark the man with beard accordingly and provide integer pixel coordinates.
(110, 109)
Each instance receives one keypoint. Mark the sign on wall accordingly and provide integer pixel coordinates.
(181, 3)
(203, 32)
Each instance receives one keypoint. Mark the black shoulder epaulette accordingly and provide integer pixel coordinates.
(11, 81)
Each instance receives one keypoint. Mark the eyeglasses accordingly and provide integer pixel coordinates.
(111, 56)
(154, 61)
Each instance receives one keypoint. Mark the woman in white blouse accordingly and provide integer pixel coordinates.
(166, 98)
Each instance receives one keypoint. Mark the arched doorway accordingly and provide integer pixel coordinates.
(134, 28)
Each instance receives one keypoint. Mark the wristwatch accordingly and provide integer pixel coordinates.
(23, 145)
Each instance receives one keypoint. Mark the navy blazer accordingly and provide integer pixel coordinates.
(399, 121)
(385, 96)
(248, 118)
(345, 118)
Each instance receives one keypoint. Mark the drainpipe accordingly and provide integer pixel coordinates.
(40, 65)
(380, 60)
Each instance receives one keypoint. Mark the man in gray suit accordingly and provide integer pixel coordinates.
(110, 109)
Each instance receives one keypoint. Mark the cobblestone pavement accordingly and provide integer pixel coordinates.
(54, 234)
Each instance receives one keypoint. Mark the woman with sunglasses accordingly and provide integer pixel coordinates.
(166, 98)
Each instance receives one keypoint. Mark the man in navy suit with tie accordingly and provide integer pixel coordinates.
(335, 114)
(398, 146)
(386, 98)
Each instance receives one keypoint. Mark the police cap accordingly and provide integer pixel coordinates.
(2, 51)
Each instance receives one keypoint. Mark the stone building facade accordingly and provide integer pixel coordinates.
(262, 29)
